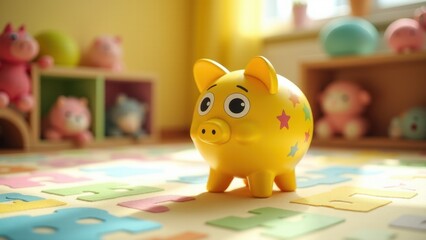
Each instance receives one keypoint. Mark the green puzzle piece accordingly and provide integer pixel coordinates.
(376, 234)
(103, 191)
(298, 225)
(262, 215)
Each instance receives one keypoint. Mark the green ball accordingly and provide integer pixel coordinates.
(349, 36)
(60, 46)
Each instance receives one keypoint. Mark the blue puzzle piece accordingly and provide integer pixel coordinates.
(198, 179)
(123, 171)
(68, 224)
(331, 175)
(7, 197)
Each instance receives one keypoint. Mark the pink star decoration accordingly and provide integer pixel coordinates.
(283, 118)
(307, 135)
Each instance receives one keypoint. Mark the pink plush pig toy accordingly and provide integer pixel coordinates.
(343, 103)
(69, 118)
(17, 48)
(420, 16)
(405, 35)
(105, 52)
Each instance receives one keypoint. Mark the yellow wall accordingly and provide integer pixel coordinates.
(156, 39)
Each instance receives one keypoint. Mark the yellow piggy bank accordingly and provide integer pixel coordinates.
(251, 124)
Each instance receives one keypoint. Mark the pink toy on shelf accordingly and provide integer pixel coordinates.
(420, 16)
(105, 52)
(17, 48)
(405, 35)
(343, 103)
(69, 118)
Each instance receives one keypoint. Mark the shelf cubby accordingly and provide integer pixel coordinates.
(396, 82)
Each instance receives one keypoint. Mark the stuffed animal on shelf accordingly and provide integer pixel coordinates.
(126, 117)
(342, 104)
(420, 16)
(105, 52)
(411, 124)
(69, 118)
(17, 49)
(405, 35)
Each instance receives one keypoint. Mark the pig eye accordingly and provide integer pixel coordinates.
(13, 36)
(206, 103)
(237, 105)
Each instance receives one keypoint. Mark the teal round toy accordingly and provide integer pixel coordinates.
(413, 123)
(349, 36)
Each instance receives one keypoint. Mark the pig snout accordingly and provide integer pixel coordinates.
(25, 49)
(214, 131)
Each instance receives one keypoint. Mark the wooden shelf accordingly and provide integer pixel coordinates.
(99, 87)
(396, 82)
(371, 142)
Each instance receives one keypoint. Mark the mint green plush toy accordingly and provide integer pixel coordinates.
(126, 117)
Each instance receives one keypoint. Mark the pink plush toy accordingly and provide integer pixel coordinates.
(105, 52)
(420, 16)
(405, 35)
(17, 48)
(69, 118)
(343, 103)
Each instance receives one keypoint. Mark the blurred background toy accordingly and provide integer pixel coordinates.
(349, 36)
(342, 103)
(69, 118)
(17, 49)
(126, 117)
(410, 125)
(105, 52)
(63, 49)
(420, 16)
(405, 35)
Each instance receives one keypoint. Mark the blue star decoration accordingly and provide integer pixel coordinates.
(307, 112)
(293, 150)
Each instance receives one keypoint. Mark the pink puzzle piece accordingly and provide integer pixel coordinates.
(150, 204)
(36, 179)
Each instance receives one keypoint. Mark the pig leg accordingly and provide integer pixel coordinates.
(286, 181)
(218, 182)
(260, 183)
(355, 128)
(4, 100)
(25, 103)
(52, 134)
(323, 129)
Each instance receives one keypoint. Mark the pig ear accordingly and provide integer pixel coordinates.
(97, 41)
(7, 28)
(61, 101)
(261, 69)
(207, 71)
(22, 28)
(83, 101)
(117, 39)
(121, 99)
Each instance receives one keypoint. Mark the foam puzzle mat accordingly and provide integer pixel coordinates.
(158, 192)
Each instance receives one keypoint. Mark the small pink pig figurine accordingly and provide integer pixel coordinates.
(69, 118)
(405, 35)
(342, 103)
(17, 49)
(105, 52)
(420, 16)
